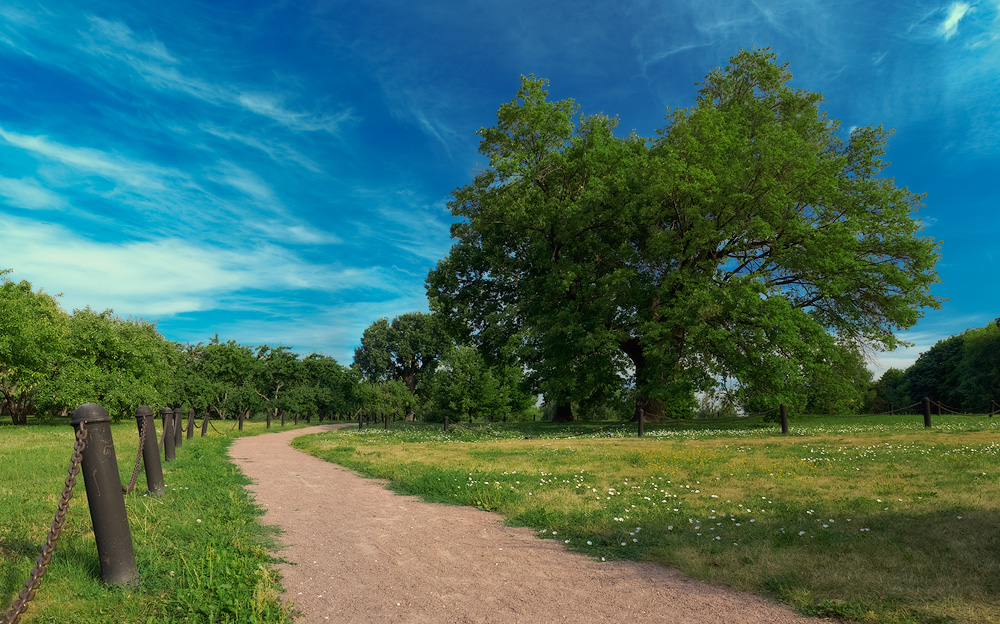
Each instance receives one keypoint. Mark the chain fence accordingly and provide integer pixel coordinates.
(20, 605)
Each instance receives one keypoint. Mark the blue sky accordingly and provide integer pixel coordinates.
(278, 172)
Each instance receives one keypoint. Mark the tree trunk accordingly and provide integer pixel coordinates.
(564, 413)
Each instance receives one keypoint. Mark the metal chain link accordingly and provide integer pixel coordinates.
(138, 460)
(13, 615)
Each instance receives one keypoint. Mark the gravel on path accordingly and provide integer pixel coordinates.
(360, 553)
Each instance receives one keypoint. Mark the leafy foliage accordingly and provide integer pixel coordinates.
(743, 246)
(33, 329)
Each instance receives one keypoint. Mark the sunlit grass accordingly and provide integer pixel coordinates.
(875, 519)
(200, 549)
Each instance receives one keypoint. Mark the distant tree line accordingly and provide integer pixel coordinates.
(962, 372)
(52, 361)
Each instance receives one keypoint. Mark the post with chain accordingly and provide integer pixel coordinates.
(178, 429)
(26, 595)
(446, 423)
(169, 454)
(105, 498)
(642, 422)
(296, 417)
(204, 424)
(282, 418)
(190, 427)
(361, 421)
(146, 422)
(241, 420)
(784, 418)
(268, 419)
(927, 412)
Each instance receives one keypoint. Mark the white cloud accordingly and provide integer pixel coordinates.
(141, 175)
(153, 62)
(163, 276)
(30, 194)
(956, 12)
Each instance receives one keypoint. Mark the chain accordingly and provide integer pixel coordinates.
(13, 615)
(138, 460)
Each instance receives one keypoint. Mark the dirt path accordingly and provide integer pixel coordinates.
(364, 554)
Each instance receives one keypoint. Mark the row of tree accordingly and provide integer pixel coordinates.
(962, 372)
(51, 361)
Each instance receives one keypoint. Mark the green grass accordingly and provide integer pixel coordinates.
(200, 549)
(874, 519)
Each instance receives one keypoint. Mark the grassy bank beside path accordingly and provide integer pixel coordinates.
(874, 519)
(201, 550)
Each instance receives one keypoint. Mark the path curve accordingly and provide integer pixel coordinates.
(364, 554)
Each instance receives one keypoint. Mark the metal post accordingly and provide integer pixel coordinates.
(784, 418)
(309, 418)
(190, 427)
(282, 418)
(296, 418)
(446, 423)
(386, 417)
(144, 419)
(642, 423)
(241, 420)
(168, 434)
(105, 498)
(927, 412)
(268, 419)
(204, 424)
(178, 429)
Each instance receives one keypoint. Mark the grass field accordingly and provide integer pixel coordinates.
(200, 549)
(874, 519)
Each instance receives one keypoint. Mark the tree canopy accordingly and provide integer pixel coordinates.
(33, 331)
(741, 247)
(404, 349)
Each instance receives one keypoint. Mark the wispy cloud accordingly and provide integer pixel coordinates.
(30, 194)
(956, 12)
(164, 276)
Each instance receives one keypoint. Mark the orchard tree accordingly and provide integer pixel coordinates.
(115, 362)
(33, 331)
(405, 349)
(278, 372)
(742, 246)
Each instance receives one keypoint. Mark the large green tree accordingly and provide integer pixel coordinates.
(742, 246)
(33, 331)
(404, 349)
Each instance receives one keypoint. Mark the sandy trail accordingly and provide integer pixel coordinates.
(364, 554)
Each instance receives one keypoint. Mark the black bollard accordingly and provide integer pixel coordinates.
(105, 498)
(168, 434)
(190, 433)
(178, 429)
(204, 424)
(927, 412)
(296, 418)
(446, 423)
(241, 421)
(268, 419)
(386, 417)
(282, 418)
(361, 421)
(784, 418)
(642, 422)
(144, 419)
